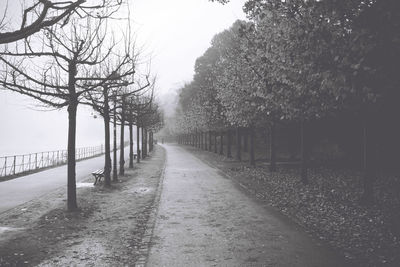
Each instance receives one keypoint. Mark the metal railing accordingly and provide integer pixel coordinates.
(19, 164)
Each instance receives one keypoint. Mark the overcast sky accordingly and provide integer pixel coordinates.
(172, 32)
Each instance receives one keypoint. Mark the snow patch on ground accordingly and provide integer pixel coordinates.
(83, 185)
(4, 229)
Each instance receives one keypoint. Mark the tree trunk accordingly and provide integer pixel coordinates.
(229, 144)
(150, 141)
(272, 146)
(252, 156)
(115, 174)
(245, 139)
(198, 139)
(107, 163)
(303, 153)
(238, 145)
(215, 143)
(221, 144)
(146, 142)
(137, 144)
(368, 162)
(209, 141)
(205, 140)
(201, 143)
(122, 144)
(71, 164)
(201, 140)
(71, 190)
(143, 144)
(195, 139)
(130, 145)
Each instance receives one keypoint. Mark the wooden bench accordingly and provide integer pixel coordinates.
(98, 175)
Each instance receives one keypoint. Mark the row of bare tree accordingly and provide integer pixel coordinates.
(63, 54)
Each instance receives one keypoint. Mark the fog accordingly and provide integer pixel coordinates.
(171, 33)
(25, 128)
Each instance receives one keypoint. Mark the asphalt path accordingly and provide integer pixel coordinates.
(204, 219)
(26, 188)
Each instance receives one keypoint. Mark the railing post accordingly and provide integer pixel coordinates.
(22, 164)
(5, 166)
(47, 159)
(15, 157)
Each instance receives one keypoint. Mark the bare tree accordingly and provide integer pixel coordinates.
(42, 14)
(110, 99)
(57, 74)
(147, 118)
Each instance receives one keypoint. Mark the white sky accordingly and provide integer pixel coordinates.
(173, 32)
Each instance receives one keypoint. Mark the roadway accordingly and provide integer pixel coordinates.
(26, 188)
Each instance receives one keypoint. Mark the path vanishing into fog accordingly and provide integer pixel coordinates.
(23, 189)
(205, 220)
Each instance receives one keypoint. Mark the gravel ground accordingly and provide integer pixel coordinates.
(108, 229)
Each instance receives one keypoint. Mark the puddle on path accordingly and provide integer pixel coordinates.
(140, 190)
(83, 185)
(4, 229)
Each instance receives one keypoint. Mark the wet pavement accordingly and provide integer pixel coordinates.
(204, 219)
(26, 188)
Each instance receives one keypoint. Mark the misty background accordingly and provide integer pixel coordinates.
(174, 33)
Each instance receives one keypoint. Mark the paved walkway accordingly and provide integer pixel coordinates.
(205, 220)
(25, 188)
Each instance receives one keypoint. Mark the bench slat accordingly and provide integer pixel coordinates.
(98, 174)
